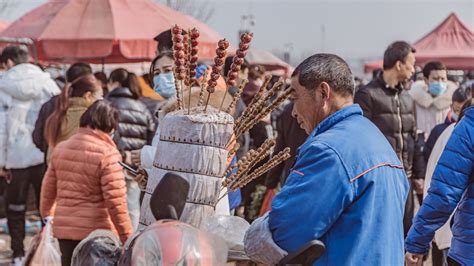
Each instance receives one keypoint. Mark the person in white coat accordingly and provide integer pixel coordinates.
(24, 88)
(432, 96)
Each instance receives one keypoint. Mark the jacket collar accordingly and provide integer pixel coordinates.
(97, 134)
(120, 92)
(79, 102)
(336, 117)
(379, 79)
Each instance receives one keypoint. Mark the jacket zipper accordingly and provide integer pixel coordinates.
(397, 99)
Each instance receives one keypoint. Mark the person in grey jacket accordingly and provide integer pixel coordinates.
(24, 88)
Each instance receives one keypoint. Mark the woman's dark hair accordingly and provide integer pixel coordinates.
(126, 80)
(101, 115)
(397, 51)
(77, 88)
(151, 71)
(102, 77)
(77, 70)
(461, 95)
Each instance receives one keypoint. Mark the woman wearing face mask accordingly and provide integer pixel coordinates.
(164, 84)
(432, 97)
(136, 128)
(73, 101)
(163, 78)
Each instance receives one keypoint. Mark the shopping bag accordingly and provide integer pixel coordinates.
(47, 252)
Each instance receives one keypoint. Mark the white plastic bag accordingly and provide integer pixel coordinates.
(48, 249)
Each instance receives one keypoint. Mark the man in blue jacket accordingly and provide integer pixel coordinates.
(452, 186)
(347, 187)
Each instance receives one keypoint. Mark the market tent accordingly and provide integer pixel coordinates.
(269, 61)
(103, 31)
(451, 42)
(3, 25)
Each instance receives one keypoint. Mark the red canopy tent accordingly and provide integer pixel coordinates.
(3, 25)
(269, 61)
(103, 31)
(451, 42)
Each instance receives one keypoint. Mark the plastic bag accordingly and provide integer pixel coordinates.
(99, 248)
(47, 252)
(232, 230)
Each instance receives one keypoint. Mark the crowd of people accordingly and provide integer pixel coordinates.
(360, 155)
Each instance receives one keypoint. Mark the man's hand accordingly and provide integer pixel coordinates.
(135, 157)
(412, 259)
(419, 185)
(127, 158)
(141, 178)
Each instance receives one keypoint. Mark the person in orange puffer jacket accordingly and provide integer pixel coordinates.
(84, 187)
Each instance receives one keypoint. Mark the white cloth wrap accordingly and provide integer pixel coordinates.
(192, 146)
(259, 244)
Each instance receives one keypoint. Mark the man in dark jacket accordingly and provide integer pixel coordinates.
(389, 106)
(290, 134)
(75, 70)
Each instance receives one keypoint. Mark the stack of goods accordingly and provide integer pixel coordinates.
(197, 141)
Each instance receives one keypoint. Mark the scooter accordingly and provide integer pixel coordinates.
(167, 204)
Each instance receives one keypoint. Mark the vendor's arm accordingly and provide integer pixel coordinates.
(450, 180)
(315, 194)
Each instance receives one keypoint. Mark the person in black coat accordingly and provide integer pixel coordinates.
(136, 129)
(388, 105)
(136, 125)
(289, 134)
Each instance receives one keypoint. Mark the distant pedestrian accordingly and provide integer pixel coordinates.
(23, 89)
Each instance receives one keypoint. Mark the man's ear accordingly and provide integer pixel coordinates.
(325, 90)
(426, 80)
(398, 65)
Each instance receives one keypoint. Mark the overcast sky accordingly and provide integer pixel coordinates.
(354, 29)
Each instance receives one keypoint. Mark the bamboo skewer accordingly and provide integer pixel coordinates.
(277, 159)
(237, 95)
(244, 180)
(203, 87)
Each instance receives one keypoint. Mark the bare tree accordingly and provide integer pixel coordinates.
(6, 6)
(202, 10)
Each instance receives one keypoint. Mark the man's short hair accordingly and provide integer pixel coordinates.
(77, 70)
(228, 63)
(17, 54)
(430, 66)
(397, 51)
(327, 68)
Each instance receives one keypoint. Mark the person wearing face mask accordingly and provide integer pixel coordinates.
(432, 97)
(163, 78)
